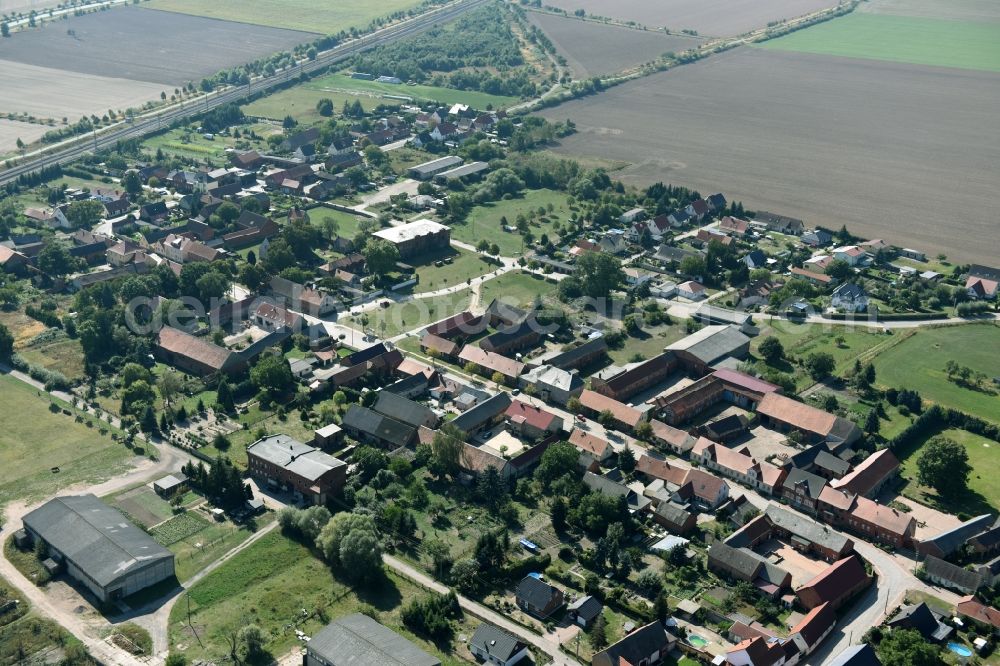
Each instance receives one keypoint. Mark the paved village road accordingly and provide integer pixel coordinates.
(543, 643)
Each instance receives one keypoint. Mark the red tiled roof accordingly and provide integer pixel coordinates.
(533, 416)
(815, 624)
(972, 608)
(838, 579)
(838, 499)
(508, 367)
(669, 434)
(883, 516)
(194, 348)
(796, 414)
(811, 275)
(868, 474)
(590, 443)
(746, 381)
(660, 468)
(599, 403)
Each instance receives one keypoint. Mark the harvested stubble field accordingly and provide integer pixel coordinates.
(327, 17)
(709, 17)
(595, 49)
(53, 93)
(892, 150)
(12, 130)
(146, 45)
(953, 10)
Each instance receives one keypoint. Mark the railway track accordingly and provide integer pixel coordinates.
(155, 121)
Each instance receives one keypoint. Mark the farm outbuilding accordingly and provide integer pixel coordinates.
(98, 546)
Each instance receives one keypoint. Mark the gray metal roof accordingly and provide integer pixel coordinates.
(358, 640)
(712, 343)
(951, 540)
(807, 529)
(496, 642)
(301, 459)
(95, 537)
(483, 412)
(402, 409)
(378, 425)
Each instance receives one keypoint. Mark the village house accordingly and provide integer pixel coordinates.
(289, 465)
(639, 377)
(536, 597)
(581, 356)
(849, 297)
(552, 384)
(489, 363)
(299, 297)
(740, 563)
(869, 478)
(646, 645)
(196, 355)
(835, 585)
(597, 448)
(367, 425)
(416, 238)
(626, 418)
(738, 465)
(531, 422)
(358, 639)
(853, 255)
(495, 646)
(815, 425)
(950, 575)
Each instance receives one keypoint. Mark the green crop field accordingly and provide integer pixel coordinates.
(268, 584)
(920, 41)
(33, 440)
(178, 528)
(918, 363)
(483, 222)
(316, 17)
(984, 484)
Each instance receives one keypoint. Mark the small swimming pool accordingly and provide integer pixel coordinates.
(699, 642)
(958, 649)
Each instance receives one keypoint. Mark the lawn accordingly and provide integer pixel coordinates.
(348, 225)
(464, 266)
(269, 584)
(33, 440)
(475, 99)
(984, 483)
(918, 363)
(920, 41)
(402, 317)
(326, 17)
(484, 222)
(300, 102)
(649, 344)
(516, 288)
(844, 343)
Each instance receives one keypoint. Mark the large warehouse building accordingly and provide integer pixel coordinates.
(98, 546)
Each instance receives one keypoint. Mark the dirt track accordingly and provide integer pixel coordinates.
(898, 151)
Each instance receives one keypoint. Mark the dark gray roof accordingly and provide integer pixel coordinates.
(712, 343)
(806, 529)
(496, 642)
(747, 563)
(377, 425)
(95, 537)
(849, 290)
(404, 410)
(586, 607)
(535, 592)
(951, 540)
(828, 461)
(487, 409)
(570, 357)
(670, 253)
(417, 382)
(611, 488)
(673, 513)
(797, 477)
(958, 577)
(920, 617)
(857, 655)
(358, 640)
(635, 647)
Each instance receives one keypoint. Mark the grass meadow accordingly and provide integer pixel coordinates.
(983, 495)
(484, 222)
(33, 440)
(918, 363)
